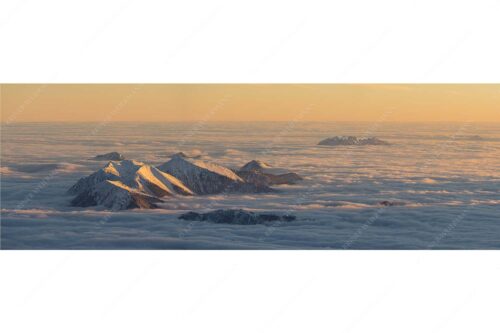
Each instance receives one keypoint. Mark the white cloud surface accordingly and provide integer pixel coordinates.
(437, 182)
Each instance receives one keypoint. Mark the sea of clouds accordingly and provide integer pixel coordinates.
(443, 180)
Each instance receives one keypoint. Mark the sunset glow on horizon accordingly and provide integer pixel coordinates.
(250, 102)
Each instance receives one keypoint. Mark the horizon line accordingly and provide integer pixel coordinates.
(247, 121)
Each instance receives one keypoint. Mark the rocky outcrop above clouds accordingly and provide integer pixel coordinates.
(258, 172)
(352, 141)
(237, 216)
(131, 184)
(113, 156)
(389, 203)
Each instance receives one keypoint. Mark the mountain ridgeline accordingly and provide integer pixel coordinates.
(130, 184)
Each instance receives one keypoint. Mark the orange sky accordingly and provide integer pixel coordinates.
(252, 102)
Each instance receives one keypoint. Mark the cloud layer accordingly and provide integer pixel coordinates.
(447, 189)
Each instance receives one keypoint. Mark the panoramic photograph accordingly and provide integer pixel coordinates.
(250, 166)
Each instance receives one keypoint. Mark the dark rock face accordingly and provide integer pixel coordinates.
(286, 178)
(85, 183)
(255, 177)
(352, 141)
(236, 216)
(391, 203)
(113, 156)
(259, 178)
(262, 174)
(114, 196)
(142, 201)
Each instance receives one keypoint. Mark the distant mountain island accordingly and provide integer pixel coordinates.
(261, 173)
(113, 156)
(352, 141)
(237, 216)
(188, 155)
(129, 184)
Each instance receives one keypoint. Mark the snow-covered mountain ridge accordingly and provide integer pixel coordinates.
(133, 184)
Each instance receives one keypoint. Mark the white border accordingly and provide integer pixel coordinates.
(249, 291)
(259, 41)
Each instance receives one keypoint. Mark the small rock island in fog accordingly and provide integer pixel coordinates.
(236, 216)
(352, 141)
(113, 156)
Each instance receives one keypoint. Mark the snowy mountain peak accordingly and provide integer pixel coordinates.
(179, 162)
(147, 175)
(121, 184)
(125, 168)
(202, 177)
